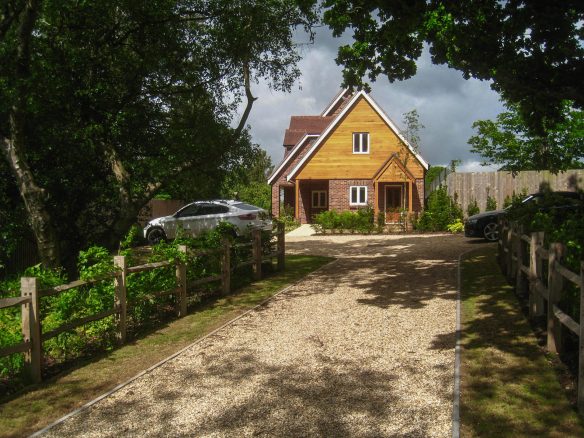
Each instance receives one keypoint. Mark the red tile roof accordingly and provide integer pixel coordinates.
(301, 125)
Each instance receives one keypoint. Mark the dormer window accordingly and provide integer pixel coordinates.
(360, 142)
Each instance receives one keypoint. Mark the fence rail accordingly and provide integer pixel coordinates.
(522, 259)
(31, 294)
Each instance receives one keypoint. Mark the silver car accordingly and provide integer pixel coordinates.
(206, 215)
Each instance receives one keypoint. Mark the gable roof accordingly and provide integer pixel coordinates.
(301, 125)
(336, 102)
(393, 159)
(337, 120)
(290, 156)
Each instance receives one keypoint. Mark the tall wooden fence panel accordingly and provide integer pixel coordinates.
(437, 182)
(469, 186)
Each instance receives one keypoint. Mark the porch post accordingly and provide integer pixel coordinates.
(376, 200)
(297, 200)
(410, 197)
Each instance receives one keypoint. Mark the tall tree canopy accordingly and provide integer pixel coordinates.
(509, 143)
(531, 50)
(105, 103)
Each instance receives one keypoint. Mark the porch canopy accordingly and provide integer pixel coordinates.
(393, 173)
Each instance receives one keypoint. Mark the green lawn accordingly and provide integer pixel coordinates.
(41, 404)
(508, 386)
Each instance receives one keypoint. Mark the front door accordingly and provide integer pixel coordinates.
(393, 202)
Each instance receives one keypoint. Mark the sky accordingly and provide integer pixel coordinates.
(447, 104)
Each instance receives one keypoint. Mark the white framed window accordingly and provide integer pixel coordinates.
(360, 142)
(358, 195)
(319, 199)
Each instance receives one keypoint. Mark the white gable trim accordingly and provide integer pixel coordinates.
(328, 109)
(293, 152)
(336, 121)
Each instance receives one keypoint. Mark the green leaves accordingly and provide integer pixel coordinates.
(509, 142)
(126, 99)
(441, 212)
(532, 52)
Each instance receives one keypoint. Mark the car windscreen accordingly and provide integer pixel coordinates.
(246, 206)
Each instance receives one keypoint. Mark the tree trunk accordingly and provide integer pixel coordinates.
(34, 199)
(14, 148)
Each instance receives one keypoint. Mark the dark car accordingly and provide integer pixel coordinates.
(484, 225)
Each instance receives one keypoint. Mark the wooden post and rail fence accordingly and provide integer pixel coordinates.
(31, 294)
(525, 261)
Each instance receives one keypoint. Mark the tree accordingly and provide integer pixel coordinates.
(433, 173)
(508, 142)
(531, 50)
(412, 128)
(104, 104)
(248, 182)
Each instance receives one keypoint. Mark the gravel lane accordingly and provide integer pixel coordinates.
(364, 347)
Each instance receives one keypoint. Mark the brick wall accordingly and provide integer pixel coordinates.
(282, 178)
(275, 200)
(418, 195)
(305, 201)
(339, 196)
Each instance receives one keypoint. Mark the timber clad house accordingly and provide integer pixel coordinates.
(350, 156)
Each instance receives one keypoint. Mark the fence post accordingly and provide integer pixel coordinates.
(509, 255)
(181, 284)
(535, 298)
(257, 254)
(226, 266)
(581, 345)
(555, 283)
(515, 242)
(500, 251)
(519, 275)
(31, 327)
(281, 246)
(121, 304)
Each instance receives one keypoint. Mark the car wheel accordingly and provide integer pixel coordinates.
(155, 235)
(491, 231)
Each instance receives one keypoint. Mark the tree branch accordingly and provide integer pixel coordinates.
(8, 15)
(121, 175)
(250, 99)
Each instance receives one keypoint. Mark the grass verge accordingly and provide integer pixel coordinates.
(509, 388)
(42, 404)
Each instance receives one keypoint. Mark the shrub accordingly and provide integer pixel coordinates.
(559, 225)
(456, 227)
(287, 217)
(10, 318)
(361, 221)
(327, 220)
(507, 202)
(133, 238)
(491, 203)
(380, 221)
(91, 299)
(348, 221)
(442, 211)
(366, 220)
(472, 208)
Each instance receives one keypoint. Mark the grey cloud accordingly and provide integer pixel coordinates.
(446, 102)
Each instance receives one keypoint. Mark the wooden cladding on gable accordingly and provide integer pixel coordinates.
(335, 158)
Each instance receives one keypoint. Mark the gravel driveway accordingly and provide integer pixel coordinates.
(363, 347)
